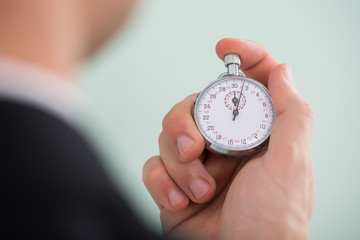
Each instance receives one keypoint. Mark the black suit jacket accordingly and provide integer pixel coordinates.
(55, 186)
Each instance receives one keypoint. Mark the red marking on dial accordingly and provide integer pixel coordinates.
(229, 97)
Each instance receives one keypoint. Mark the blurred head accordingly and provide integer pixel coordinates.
(58, 34)
(102, 18)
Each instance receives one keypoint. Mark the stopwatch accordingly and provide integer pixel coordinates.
(235, 114)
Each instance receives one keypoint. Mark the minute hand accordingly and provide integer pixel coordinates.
(236, 110)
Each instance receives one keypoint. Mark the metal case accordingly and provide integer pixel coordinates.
(213, 147)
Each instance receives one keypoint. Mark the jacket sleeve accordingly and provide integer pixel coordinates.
(55, 186)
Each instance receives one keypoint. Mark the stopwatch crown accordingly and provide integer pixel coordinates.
(232, 62)
(232, 59)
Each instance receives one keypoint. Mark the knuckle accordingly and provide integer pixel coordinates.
(161, 136)
(303, 113)
(307, 109)
(179, 113)
(151, 170)
(304, 108)
(171, 117)
(294, 156)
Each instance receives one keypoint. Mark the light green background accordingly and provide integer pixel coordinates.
(166, 52)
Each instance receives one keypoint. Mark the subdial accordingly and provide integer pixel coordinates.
(232, 98)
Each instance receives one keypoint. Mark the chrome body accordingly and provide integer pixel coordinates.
(232, 62)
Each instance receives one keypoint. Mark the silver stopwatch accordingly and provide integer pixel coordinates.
(235, 114)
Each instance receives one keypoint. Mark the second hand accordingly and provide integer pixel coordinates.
(236, 111)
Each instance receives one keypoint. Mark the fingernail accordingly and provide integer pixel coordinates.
(199, 188)
(184, 143)
(288, 74)
(249, 42)
(175, 198)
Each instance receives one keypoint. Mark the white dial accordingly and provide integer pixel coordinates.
(235, 113)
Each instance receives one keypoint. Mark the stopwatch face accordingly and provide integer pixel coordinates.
(234, 114)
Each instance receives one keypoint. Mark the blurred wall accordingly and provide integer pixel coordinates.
(166, 52)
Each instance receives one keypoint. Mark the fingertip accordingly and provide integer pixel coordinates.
(202, 190)
(256, 61)
(191, 152)
(161, 187)
(234, 45)
(180, 128)
(184, 144)
(220, 46)
(176, 200)
(223, 46)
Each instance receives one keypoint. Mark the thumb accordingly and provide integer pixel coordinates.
(293, 125)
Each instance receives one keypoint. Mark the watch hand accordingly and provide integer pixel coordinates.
(234, 100)
(236, 111)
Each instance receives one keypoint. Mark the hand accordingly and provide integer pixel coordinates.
(268, 196)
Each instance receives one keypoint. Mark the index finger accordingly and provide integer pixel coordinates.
(180, 127)
(256, 61)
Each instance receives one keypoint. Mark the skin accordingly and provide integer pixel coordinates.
(58, 35)
(267, 196)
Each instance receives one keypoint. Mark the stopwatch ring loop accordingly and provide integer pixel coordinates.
(225, 74)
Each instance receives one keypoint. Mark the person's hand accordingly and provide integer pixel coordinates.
(268, 196)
